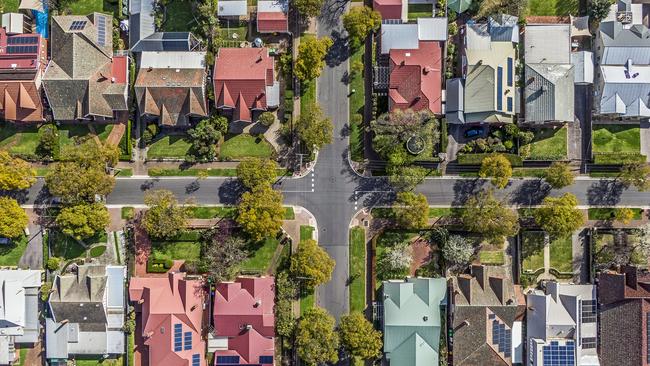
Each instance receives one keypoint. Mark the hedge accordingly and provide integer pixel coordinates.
(159, 265)
(477, 159)
(560, 275)
(125, 144)
(618, 158)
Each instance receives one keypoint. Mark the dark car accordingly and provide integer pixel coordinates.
(474, 132)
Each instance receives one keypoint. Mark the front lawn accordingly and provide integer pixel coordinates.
(357, 269)
(169, 146)
(179, 16)
(552, 7)
(176, 250)
(237, 147)
(199, 212)
(606, 214)
(549, 144)
(616, 138)
(420, 11)
(307, 95)
(562, 254)
(260, 255)
(10, 253)
(65, 246)
(532, 250)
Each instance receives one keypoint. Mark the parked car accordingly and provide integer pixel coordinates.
(474, 132)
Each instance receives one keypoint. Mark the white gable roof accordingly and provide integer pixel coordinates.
(172, 60)
(232, 8)
(407, 35)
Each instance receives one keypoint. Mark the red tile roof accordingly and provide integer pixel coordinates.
(271, 22)
(243, 312)
(119, 69)
(165, 302)
(416, 78)
(389, 9)
(242, 73)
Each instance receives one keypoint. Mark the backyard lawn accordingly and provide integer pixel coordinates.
(179, 16)
(552, 7)
(177, 250)
(562, 254)
(532, 250)
(243, 145)
(420, 11)
(10, 254)
(169, 146)
(549, 144)
(85, 7)
(357, 269)
(228, 31)
(616, 138)
(492, 257)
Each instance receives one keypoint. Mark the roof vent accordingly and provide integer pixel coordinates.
(112, 79)
(81, 304)
(178, 70)
(408, 54)
(13, 66)
(425, 318)
(257, 303)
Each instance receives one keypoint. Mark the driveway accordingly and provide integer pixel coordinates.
(33, 256)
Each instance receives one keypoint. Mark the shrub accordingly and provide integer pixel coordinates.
(53, 263)
(97, 251)
(618, 158)
(147, 137)
(159, 265)
(48, 142)
(476, 159)
(153, 129)
(266, 119)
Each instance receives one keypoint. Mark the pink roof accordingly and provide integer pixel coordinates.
(270, 22)
(166, 302)
(242, 73)
(118, 68)
(416, 78)
(25, 51)
(389, 9)
(243, 312)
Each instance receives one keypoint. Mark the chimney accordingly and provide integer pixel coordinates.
(112, 79)
(257, 303)
(496, 284)
(141, 301)
(259, 59)
(193, 307)
(64, 321)
(630, 276)
(478, 271)
(464, 284)
(150, 69)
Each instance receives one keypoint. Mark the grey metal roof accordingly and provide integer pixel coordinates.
(141, 20)
(479, 82)
(548, 43)
(620, 55)
(115, 285)
(166, 41)
(455, 95)
(504, 28)
(403, 36)
(583, 67)
(549, 93)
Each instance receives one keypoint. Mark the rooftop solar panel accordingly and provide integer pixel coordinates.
(559, 355)
(101, 30)
(22, 40)
(78, 25)
(21, 49)
(501, 337)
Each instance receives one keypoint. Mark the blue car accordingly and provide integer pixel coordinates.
(474, 132)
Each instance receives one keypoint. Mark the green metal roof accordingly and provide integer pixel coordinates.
(459, 6)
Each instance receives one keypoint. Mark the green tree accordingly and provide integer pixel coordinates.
(623, 215)
(205, 137)
(285, 293)
(312, 263)
(221, 254)
(406, 178)
(164, 218)
(314, 129)
(360, 21)
(254, 172)
(411, 210)
(599, 9)
(311, 57)
(46, 288)
(260, 212)
(316, 340)
(635, 174)
(266, 119)
(15, 173)
(458, 250)
(489, 217)
(559, 216)
(208, 26)
(309, 8)
(13, 218)
(48, 142)
(498, 168)
(558, 175)
(83, 220)
(359, 337)
(53, 263)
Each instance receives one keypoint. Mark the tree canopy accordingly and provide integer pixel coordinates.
(205, 136)
(558, 175)
(599, 9)
(406, 178)
(15, 173)
(316, 340)
(360, 21)
(313, 128)
(83, 220)
(164, 218)
(559, 216)
(311, 56)
(285, 293)
(488, 216)
(359, 337)
(411, 210)
(498, 168)
(458, 250)
(623, 215)
(635, 174)
(308, 8)
(221, 254)
(312, 263)
(254, 172)
(13, 218)
(260, 212)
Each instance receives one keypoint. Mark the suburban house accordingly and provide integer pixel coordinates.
(169, 311)
(19, 313)
(622, 85)
(170, 87)
(549, 73)
(487, 318)
(22, 65)
(244, 322)
(245, 83)
(561, 324)
(489, 62)
(410, 65)
(144, 37)
(393, 11)
(232, 9)
(272, 16)
(624, 317)
(86, 314)
(84, 80)
(412, 322)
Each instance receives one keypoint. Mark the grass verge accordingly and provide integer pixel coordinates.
(357, 269)
(357, 101)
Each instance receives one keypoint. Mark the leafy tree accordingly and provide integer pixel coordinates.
(599, 9)
(411, 210)
(46, 288)
(394, 262)
(488, 216)
(89, 153)
(254, 172)
(406, 178)
(643, 240)
(496, 7)
(359, 337)
(285, 293)
(559, 216)
(624, 215)
(48, 142)
(314, 129)
(498, 168)
(311, 57)
(309, 8)
(165, 218)
(266, 119)
(360, 21)
(356, 68)
(312, 263)
(635, 174)
(208, 26)
(558, 175)
(260, 212)
(458, 250)
(205, 137)
(221, 254)
(129, 324)
(83, 220)
(392, 131)
(13, 218)
(316, 340)
(15, 173)
(53, 263)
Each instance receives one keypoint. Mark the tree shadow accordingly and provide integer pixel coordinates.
(605, 193)
(465, 188)
(230, 191)
(531, 192)
(339, 52)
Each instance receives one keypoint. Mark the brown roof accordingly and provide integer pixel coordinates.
(21, 101)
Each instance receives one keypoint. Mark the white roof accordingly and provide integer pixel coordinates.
(232, 8)
(548, 44)
(407, 35)
(617, 74)
(12, 293)
(31, 4)
(432, 29)
(12, 23)
(583, 66)
(172, 60)
(115, 283)
(267, 6)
